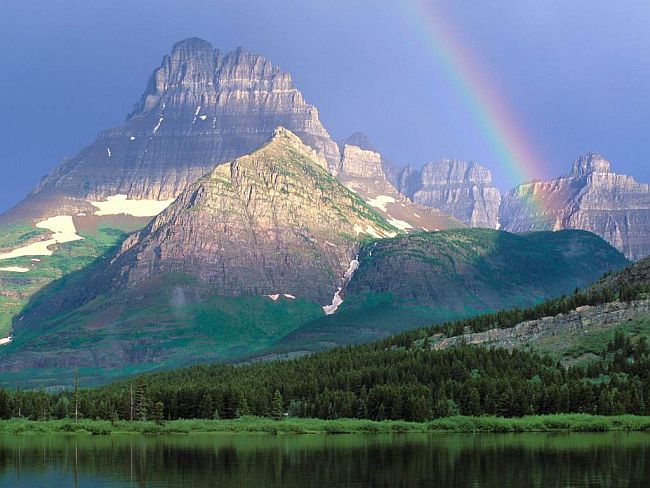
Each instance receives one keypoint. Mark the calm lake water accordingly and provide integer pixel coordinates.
(502, 460)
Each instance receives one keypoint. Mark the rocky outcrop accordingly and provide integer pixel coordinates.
(590, 197)
(580, 320)
(362, 169)
(201, 107)
(461, 189)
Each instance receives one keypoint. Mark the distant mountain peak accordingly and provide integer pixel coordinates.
(589, 163)
(360, 140)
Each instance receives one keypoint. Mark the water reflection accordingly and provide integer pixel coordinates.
(510, 460)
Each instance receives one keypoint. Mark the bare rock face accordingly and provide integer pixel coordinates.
(272, 222)
(362, 170)
(201, 108)
(461, 189)
(590, 197)
(581, 320)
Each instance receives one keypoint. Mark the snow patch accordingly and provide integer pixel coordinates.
(286, 295)
(274, 297)
(400, 224)
(108, 150)
(132, 138)
(120, 204)
(5, 340)
(203, 117)
(198, 109)
(15, 269)
(381, 202)
(158, 125)
(63, 230)
(337, 299)
(34, 260)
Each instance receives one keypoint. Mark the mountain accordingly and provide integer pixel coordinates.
(461, 189)
(244, 255)
(200, 108)
(362, 170)
(590, 197)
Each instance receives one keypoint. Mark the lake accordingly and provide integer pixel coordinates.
(387, 460)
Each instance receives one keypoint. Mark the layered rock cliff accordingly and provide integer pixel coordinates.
(461, 189)
(362, 169)
(201, 107)
(590, 197)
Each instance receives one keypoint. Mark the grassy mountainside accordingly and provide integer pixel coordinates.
(408, 281)
(574, 329)
(100, 236)
(173, 322)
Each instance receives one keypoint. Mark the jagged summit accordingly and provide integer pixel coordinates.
(588, 164)
(360, 140)
(590, 197)
(201, 107)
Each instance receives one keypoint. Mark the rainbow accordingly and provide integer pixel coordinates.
(490, 110)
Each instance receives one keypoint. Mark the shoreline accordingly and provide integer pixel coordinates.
(262, 425)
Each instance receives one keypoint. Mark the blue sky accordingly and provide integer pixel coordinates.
(576, 75)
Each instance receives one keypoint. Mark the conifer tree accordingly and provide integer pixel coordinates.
(277, 406)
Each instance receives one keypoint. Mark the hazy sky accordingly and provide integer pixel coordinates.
(575, 75)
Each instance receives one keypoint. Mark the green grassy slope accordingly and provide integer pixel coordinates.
(174, 321)
(16, 289)
(410, 281)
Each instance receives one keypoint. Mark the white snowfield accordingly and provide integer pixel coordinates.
(63, 230)
(120, 204)
(347, 276)
(400, 224)
(15, 269)
(5, 340)
(381, 202)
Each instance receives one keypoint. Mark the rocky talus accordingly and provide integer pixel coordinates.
(590, 197)
(580, 320)
(461, 189)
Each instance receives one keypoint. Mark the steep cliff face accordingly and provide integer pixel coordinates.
(590, 197)
(201, 107)
(362, 169)
(461, 189)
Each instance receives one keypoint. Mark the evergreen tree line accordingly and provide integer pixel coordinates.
(366, 381)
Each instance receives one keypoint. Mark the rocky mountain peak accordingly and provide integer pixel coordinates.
(201, 108)
(360, 140)
(590, 197)
(588, 164)
(273, 221)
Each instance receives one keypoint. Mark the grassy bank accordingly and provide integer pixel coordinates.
(541, 423)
